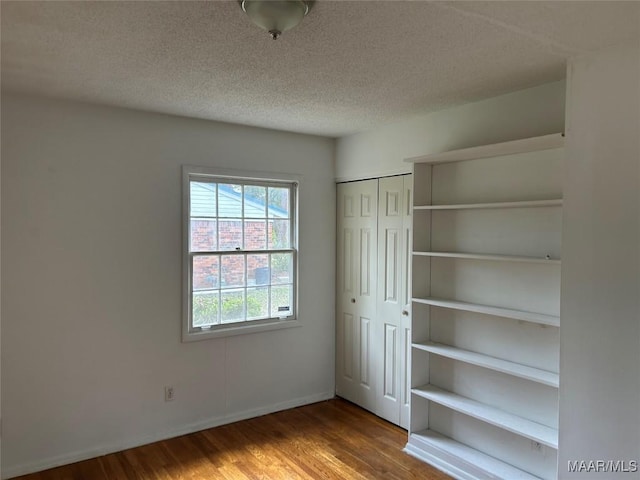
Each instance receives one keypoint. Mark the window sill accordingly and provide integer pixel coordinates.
(220, 331)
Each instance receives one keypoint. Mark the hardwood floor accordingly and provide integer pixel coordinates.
(327, 440)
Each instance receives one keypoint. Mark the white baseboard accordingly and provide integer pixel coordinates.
(97, 451)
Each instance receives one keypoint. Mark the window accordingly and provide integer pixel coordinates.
(240, 253)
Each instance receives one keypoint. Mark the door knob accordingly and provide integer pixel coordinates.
(405, 313)
(353, 300)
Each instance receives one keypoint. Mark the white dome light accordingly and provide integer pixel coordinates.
(276, 16)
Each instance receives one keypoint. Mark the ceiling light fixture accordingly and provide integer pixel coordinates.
(276, 16)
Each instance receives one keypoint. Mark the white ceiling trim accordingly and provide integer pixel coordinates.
(558, 48)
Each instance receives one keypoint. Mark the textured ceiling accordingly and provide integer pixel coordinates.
(350, 65)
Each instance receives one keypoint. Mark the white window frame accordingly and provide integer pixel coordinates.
(189, 173)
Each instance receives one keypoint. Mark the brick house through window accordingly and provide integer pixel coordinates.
(256, 232)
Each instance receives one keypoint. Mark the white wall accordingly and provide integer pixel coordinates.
(91, 282)
(381, 151)
(600, 334)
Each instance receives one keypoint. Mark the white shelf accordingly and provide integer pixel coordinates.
(517, 370)
(532, 317)
(481, 256)
(556, 202)
(545, 142)
(453, 457)
(535, 431)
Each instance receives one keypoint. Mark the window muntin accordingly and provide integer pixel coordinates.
(241, 258)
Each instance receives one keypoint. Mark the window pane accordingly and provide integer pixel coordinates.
(206, 272)
(203, 199)
(232, 271)
(278, 202)
(281, 301)
(234, 228)
(230, 235)
(255, 201)
(255, 234)
(232, 306)
(258, 270)
(229, 200)
(203, 235)
(279, 235)
(205, 308)
(257, 303)
(281, 268)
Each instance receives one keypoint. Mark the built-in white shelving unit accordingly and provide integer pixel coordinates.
(534, 374)
(485, 318)
(472, 206)
(513, 423)
(489, 310)
(442, 451)
(502, 258)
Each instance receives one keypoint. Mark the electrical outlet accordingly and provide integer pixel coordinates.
(169, 394)
(537, 447)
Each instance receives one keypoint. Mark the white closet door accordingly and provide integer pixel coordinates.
(356, 291)
(405, 319)
(391, 326)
